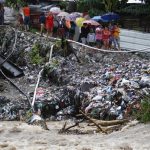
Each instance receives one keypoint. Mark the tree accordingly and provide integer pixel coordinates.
(14, 3)
(146, 1)
(109, 5)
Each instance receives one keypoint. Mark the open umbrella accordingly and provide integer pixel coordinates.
(63, 14)
(2, 1)
(55, 10)
(98, 18)
(110, 16)
(79, 21)
(92, 22)
(74, 15)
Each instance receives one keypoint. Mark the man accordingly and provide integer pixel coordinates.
(26, 13)
(84, 32)
(49, 24)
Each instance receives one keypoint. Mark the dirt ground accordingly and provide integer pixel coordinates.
(20, 136)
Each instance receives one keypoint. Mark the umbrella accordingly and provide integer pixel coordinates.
(63, 14)
(79, 21)
(87, 17)
(92, 22)
(74, 15)
(78, 14)
(98, 18)
(110, 16)
(2, 1)
(55, 10)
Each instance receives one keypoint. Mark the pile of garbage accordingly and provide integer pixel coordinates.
(105, 86)
(103, 91)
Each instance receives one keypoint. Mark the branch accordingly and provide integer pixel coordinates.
(98, 126)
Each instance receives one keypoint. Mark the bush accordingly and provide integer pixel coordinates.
(143, 115)
(35, 56)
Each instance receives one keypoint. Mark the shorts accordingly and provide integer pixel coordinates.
(99, 43)
(42, 25)
(26, 20)
(106, 40)
(84, 40)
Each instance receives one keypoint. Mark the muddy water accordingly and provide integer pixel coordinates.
(20, 136)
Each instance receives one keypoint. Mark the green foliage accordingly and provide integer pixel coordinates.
(98, 7)
(58, 44)
(63, 5)
(143, 115)
(53, 65)
(33, 30)
(93, 7)
(34, 55)
(50, 67)
(15, 3)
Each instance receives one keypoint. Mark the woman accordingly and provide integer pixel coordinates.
(49, 24)
(105, 36)
(99, 34)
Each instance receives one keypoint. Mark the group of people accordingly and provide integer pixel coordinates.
(106, 37)
(55, 27)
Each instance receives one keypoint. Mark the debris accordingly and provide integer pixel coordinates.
(105, 86)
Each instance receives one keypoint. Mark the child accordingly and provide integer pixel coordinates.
(42, 20)
(116, 36)
(99, 34)
(91, 38)
(26, 13)
(20, 22)
(106, 35)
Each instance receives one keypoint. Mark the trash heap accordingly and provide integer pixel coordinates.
(104, 91)
(105, 86)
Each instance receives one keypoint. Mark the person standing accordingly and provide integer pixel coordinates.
(42, 20)
(91, 38)
(49, 24)
(72, 30)
(67, 28)
(105, 36)
(20, 22)
(98, 32)
(26, 13)
(1, 14)
(116, 37)
(111, 38)
(61, 29)
(84, 32)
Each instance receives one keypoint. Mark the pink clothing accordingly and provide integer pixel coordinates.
(99, 33)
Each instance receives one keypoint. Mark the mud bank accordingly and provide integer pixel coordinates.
(20, 136)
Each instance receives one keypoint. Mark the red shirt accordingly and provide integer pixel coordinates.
(49, 21)
(26, 11)
(106, 34)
